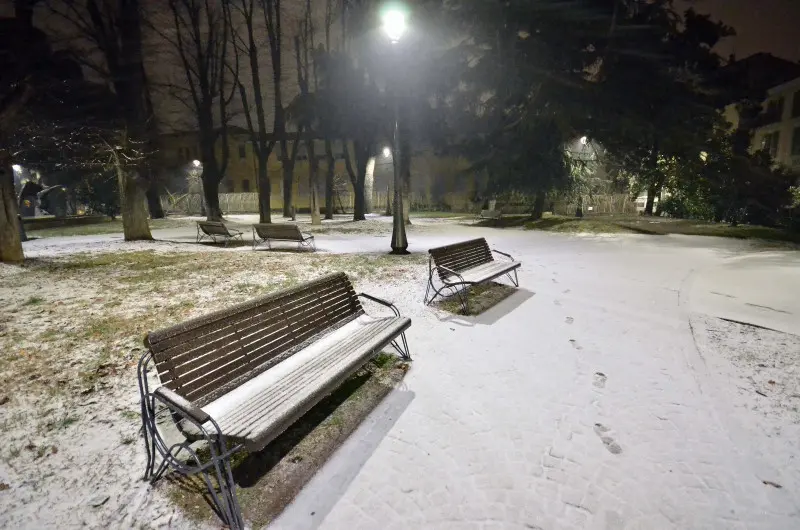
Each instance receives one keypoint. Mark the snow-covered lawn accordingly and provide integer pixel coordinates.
(584, 400)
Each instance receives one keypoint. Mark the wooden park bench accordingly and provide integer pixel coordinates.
(238, 377)
(493, 215)
(217, 230)
(462, 265)
(266, 233)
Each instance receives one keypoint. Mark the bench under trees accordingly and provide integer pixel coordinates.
(490, 215)
(461, 265)
(237, 378)
(217, 230)
(266, 233)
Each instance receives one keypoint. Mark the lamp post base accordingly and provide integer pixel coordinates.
(399, 252)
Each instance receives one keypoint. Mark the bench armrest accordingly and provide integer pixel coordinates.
(380, 301)
(186, 407)
(450, 271)
(503, 254)
(307, 235)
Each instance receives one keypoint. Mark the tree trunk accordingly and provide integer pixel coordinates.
(10, 241)
(329, 174)
(313, 184)
(211, 195)
(133, 206)
(359, 202)
(538, 206)
(264, 207)
(288, 184)
(154, 200)
(652, 191)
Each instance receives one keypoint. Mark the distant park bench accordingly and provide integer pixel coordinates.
(493, 215)
(217, 230)
(462, 265)
(246, 373)
(266, 233)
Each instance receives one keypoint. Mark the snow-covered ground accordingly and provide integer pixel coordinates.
(585, 400)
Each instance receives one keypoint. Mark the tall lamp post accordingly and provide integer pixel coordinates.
(394, 24)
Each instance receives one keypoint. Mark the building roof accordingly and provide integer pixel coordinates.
(753, 76)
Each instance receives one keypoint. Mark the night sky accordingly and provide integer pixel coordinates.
(761, 25)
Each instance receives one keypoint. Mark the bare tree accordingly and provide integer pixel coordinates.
(306, 103)
(114, 29)
(257, 16)
(200, 36)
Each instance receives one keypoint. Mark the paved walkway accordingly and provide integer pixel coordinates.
(579, 402)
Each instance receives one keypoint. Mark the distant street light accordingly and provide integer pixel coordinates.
(16, 167)
(394, 24)
(387, 152)
(196, 163)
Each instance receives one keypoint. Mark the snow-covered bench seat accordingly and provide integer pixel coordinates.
(464, 264)
(237, 378)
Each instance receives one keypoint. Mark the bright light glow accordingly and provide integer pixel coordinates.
(16, 167)
(394, 24)
(387, 152)
(584, 140)
(196, 163)
(703, 156)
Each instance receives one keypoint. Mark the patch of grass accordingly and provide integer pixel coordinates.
(33, 300)
(127, 439)
(572, 225)
(383, 359)
(480, 298)
(107, 227)
(130, 415)
(438, 215)
(64, 422)
(506, 221)
(615, 224)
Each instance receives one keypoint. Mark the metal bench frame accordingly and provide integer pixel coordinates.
(161, 402)
(461, 287)
(229, 235)
(304, 239)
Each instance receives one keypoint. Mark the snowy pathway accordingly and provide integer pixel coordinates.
(579, 402)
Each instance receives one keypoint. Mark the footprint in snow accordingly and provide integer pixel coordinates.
(569, 320)
(603, 433)
(575, 344)
(599, 380)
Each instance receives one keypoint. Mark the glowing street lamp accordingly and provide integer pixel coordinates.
(387, 152)
(394, 25)
(16, 167)
(196, 163)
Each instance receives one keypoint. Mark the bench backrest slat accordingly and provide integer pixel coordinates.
(205, 357)
(216, 228)
(461, 256)
(279, 231)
